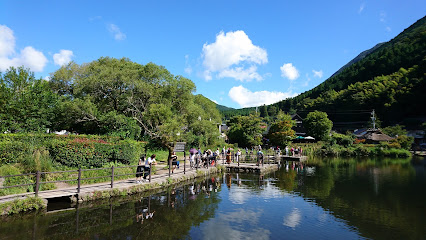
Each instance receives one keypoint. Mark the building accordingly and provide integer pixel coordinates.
(298, 128)
(372, 135)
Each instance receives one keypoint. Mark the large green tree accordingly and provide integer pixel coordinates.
(246, 130)
(281, 132)
(318, 125)
(118, 96)
(26, 103)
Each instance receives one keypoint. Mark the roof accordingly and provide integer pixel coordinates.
(376, 135)
(296, 117)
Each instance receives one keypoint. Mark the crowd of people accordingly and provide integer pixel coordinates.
(199, 158)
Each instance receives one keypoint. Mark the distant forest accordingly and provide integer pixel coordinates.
(389, 79)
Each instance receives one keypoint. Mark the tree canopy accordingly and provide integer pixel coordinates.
(318, 125)
(281, 132)
(109, 96)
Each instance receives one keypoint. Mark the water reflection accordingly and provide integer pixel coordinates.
(327, 199)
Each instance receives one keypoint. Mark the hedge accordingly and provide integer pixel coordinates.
(70, 150)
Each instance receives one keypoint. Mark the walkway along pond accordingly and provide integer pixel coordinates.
(85, 192)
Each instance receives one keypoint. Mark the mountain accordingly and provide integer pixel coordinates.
(223, 108)
(357, 59)
(389, 78)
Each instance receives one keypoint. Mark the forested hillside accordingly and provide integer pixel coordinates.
(390, 79)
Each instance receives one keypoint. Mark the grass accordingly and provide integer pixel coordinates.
(22, 205)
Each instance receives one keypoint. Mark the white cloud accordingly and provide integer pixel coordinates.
(388, 29)
(95, 18)
(289, 71)
(115, 30)
(293, 219)
(7, 41)
(318, 74)
(188, 68)
(308, 79)
(382, 16)
(247, 98)
(28, 56)
(241, 74)
(361, 8)
(63, 57)
(230, 54)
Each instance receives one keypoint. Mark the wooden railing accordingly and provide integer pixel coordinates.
(244, 158)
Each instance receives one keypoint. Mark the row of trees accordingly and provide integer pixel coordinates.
(253, 129)
(109, 96)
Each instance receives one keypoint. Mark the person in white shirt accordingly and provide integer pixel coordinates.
(148, 162)
(238, 155)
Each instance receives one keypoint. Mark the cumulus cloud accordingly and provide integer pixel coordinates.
(63, 57)
(116, 32)
(241, 74)
(230, 55)
(7, 41)
(289, 71)
(28, 56)
(246, 98)
(318, 74)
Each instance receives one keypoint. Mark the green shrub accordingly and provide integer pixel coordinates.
(22, 205)
(342, 139)
(7, 170)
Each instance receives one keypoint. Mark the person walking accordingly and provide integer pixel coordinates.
(149, 161)
(175, 162)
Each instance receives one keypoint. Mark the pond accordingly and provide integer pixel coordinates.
(319, 199)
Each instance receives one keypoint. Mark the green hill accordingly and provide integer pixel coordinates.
(389, 78)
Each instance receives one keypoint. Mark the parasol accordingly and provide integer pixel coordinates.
(193, 151)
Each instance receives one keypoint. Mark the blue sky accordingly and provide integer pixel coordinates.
(238, 53)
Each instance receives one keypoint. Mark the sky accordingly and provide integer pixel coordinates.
(239, 53)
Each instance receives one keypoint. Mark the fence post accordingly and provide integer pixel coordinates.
(150, 169)
(170, 164)
(232, 157)
(112, 177)
(184, 162)
(37, 183)
(79, 180)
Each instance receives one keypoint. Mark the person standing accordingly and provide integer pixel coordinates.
(149, 161)
(238, 155)
(286, 150)
(139, 170)
(228, 156)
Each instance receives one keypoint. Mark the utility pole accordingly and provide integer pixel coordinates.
(373, 118)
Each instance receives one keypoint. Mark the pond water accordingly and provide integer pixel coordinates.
(324, 199)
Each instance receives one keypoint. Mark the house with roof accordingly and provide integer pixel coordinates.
(298, 127)
(372, 135)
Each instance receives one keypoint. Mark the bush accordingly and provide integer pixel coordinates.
(405, 142)
(37, 152)
(342, 139)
